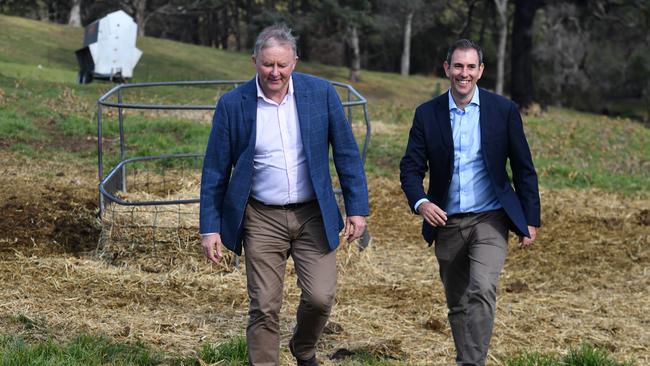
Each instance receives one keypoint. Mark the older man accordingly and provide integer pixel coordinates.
(266, 187)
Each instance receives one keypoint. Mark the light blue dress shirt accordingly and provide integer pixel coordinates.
(470, 189)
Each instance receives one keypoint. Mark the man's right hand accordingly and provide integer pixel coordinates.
(432, 214)
(211, 244)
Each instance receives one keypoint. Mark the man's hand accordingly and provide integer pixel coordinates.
(432, 214)
(212, 247)
(524, 241)
(354, 227)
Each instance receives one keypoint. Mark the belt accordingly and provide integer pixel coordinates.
(288, 206)
(461, 215)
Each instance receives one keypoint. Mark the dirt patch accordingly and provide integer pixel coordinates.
(644, 217)
(46, 214)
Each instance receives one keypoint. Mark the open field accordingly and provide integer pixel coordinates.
(586, 280)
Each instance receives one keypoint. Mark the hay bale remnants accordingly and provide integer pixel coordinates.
(586, 279)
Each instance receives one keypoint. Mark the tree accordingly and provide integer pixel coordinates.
(521, 89)
(75, 14)
(346, 19)
(143, 10)
(355, 62)
(356, 14)
(502, 23)
(407, 10)
(406, 53)
(559, 55)
(643, 9)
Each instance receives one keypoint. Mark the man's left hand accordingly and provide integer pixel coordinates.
(524, 241)
(354, 227)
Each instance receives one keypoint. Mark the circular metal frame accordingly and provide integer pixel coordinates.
(115, 180)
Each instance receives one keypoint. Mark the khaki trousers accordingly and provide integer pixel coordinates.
(471, 250)
(271, 235)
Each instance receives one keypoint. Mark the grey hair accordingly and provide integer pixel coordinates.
(464, 44)
(274, 35)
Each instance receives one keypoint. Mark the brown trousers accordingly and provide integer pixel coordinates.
(471, 250)
(271, 235)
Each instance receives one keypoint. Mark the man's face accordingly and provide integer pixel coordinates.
(463, 73)
(274, 65)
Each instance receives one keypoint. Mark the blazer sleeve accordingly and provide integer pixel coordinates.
(413, 165)
(347, 159)
(524, 177)
(216, 172)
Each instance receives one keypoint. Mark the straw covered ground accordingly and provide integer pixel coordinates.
(587, 278)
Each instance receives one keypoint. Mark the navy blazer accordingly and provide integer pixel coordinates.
(502, 137)
(228, 164)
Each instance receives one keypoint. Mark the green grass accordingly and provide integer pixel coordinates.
(19, 128)
(40, 102)
(83, 350)
(230, 353)
(99, 350)
(585, 355)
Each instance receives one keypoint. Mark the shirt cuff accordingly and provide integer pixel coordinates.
(418, 203)
(206, 234)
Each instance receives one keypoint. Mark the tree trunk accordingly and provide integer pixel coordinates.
(225, 27)
(646, 93)
(248, 19)
(75, 14)
(467, 28)
(521, 86)
(140, 16)
(406, 51)
(502, 21)
(236, 28)
(42, 11)
(355, 64)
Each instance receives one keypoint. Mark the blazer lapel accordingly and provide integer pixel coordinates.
(444, 122)
(303, 104)
(484, 120)
(249, 110)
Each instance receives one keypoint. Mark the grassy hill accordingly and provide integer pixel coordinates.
(586, 282)
(37, 67)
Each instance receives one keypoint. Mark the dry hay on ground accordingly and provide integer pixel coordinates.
(586, 279)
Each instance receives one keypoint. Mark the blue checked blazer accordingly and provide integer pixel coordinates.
(431, 146)
(228, 164)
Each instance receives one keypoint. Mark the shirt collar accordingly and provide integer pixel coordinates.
(475, 99)
(260, 92)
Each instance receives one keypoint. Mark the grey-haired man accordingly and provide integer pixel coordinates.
(266, 187)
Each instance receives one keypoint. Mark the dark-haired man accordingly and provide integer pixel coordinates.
(465, 137)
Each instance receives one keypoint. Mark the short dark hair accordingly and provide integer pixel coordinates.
(277, 34)
(464, 44)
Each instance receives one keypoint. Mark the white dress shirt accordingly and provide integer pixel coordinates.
(280, 171)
